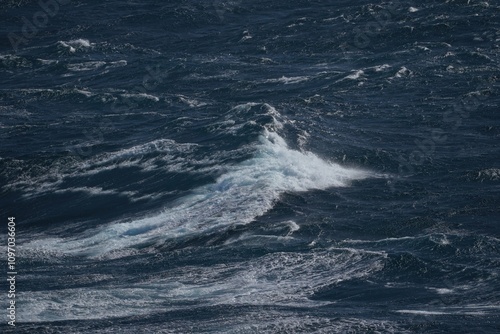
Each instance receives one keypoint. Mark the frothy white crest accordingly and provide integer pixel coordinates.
(75, 44)
(80, 42)
(356, 75)
(247, 191)
(403, 72)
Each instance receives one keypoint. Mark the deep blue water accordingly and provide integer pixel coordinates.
(252, 167)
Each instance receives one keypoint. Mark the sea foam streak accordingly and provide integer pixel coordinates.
(280, 278)
(245, 192)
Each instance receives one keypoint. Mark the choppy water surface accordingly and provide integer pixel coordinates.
(252, 167)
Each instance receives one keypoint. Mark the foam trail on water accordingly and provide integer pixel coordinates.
(279, 278)
(246, 191)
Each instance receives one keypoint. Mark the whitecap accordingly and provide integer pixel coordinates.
(75, 44)
(402, 72)
(354, 76)
(248, 190)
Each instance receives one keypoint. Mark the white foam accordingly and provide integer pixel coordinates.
(424, 48)
(492, 174)
(193, 103)
(424, 312)
(442, 291)
(271, 322)
(96, 191)
(84, 92)
(80, 42)
(352, 241)
(174, 157)
(47, 61)
(380, 68)
(440, 239)
(245, 192)
(288, 80)
(76, 44)
(142, 96)
(118, 63)
(293, 226)
(281, 278)
(356, 75)
(87, 66)
(75, 304)
(221, 75)
(402, 72)
(93, 65)
(246, 35)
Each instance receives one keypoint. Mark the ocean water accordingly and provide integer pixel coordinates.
(251, 166)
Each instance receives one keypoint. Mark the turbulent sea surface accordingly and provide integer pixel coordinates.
(251, 166)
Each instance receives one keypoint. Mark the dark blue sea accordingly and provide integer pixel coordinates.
(231, 166)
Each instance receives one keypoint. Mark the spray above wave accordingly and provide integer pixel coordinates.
(246, 191)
